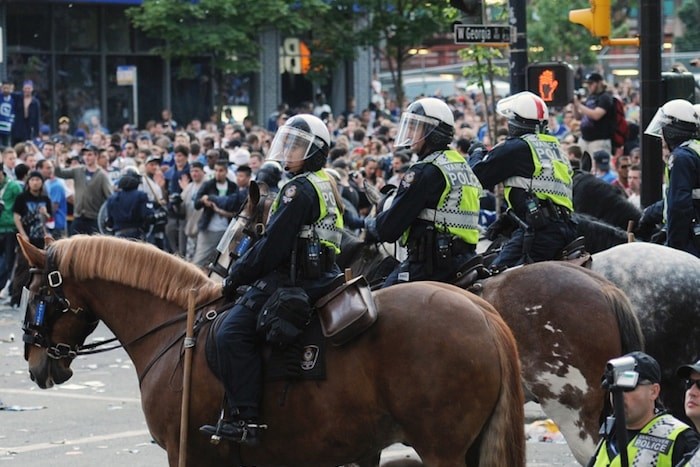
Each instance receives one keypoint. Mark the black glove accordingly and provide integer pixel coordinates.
(504, 225)
(228, 288)
(370, 229)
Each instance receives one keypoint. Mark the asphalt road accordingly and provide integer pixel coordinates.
(95, 418)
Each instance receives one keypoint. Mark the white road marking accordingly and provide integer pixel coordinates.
(71, 442)
(71, 396)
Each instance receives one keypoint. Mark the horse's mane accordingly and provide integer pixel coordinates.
(599, 235)
(133, 264)
(600, 199)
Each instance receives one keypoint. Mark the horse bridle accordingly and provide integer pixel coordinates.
(54, 303)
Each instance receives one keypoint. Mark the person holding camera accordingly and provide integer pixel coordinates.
(175, 228)
(128, 208)
(538, 181)
(654, 437)
(677, 123)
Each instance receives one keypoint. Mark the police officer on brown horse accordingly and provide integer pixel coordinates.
(298, 248)
(436, 210)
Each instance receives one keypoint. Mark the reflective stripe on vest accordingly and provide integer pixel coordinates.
(652, 446)
(553, 175)
(328, 227)
(457, 210)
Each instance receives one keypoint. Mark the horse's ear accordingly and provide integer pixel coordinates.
(586, 162)
(35, 256)
(253, 193)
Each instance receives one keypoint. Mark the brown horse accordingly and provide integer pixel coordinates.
(568, 323)
(439, 370)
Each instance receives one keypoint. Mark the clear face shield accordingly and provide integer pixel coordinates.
(657, 123)
(504, 107)
(414, 129)
(290, 145)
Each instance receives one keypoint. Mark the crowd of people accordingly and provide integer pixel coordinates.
(178, 186)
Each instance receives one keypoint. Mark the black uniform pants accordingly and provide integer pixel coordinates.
(408, 271)
(547, 244)
(239, 349)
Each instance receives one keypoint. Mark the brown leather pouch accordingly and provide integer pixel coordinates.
(347, 311)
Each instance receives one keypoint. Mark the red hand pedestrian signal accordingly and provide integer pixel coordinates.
(547, 84)
(553, 82)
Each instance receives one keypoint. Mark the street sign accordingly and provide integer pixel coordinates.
(483, 34)
(126, 75)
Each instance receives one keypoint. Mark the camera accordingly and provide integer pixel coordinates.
(580, 93)
(175, 198)
(620, 373)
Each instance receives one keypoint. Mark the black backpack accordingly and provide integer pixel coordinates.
(621, 131)
(284, 315)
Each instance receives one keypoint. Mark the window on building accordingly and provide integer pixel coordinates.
(28, 29)
(76, 28)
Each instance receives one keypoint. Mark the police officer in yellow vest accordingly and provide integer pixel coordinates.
(436, 209)
(298, 248)
(677, 122)
(537, 177)
(655, 438)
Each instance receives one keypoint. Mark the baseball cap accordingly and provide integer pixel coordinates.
(45, 129)
(685, 370)
(89, 147)
(154, 158)
(63, 119)
(602, 157)
(593, 77)
(145, 136)
(647, 367)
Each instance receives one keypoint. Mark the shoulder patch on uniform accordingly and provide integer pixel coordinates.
(408, 178)
(289, 194)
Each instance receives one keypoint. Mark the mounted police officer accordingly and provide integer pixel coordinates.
(537, 177)
(436, 209)
(299, 248)
(677, 122)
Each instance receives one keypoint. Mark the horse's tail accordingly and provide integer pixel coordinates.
(503, 439)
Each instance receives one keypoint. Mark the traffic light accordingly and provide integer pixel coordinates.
(596, 18)
(472, 10)
(553, 82)
(676, 85)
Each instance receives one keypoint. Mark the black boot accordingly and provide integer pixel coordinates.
(246, 432)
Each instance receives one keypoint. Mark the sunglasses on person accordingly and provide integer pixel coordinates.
(689, 383)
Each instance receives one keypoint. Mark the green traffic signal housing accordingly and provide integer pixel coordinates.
(596, 18)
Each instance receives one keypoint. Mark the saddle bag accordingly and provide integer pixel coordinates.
(347, 311)
(284, 315)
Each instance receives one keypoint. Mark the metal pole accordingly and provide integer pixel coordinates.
(650, 64)
(187, 378)
(518, 51)
(135, 91)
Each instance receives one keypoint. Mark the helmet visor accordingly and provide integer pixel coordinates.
(290, 145)
(414, 128)
(657, 123)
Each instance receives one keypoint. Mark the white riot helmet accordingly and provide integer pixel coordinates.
(302, 137)
(677, 121)
(526, 113)
(427, 119)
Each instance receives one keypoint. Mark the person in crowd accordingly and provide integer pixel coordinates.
(537, 177)
(92, 188)
(128, 208)
(9, 160)
(305, 222)
(9, 191)
(27, 114)
(7, 114)
(597, 115)
(57, 191)
(634, 178)
(192, 215)
(436, 209)
(63, 128)
(690, 373)
(602, 166)
(32, 209)
(243, 176)
(677, 123)
(219, 198)
(655, 437)
(622, 167)
(175, 229)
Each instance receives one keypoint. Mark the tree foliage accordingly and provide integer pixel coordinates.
(225, 30)
(689, 13)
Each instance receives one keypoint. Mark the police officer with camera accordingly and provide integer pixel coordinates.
(653, 437)
(298, 248)
(537, 176)
(436, 209)
(690, 374)
(677, 122)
